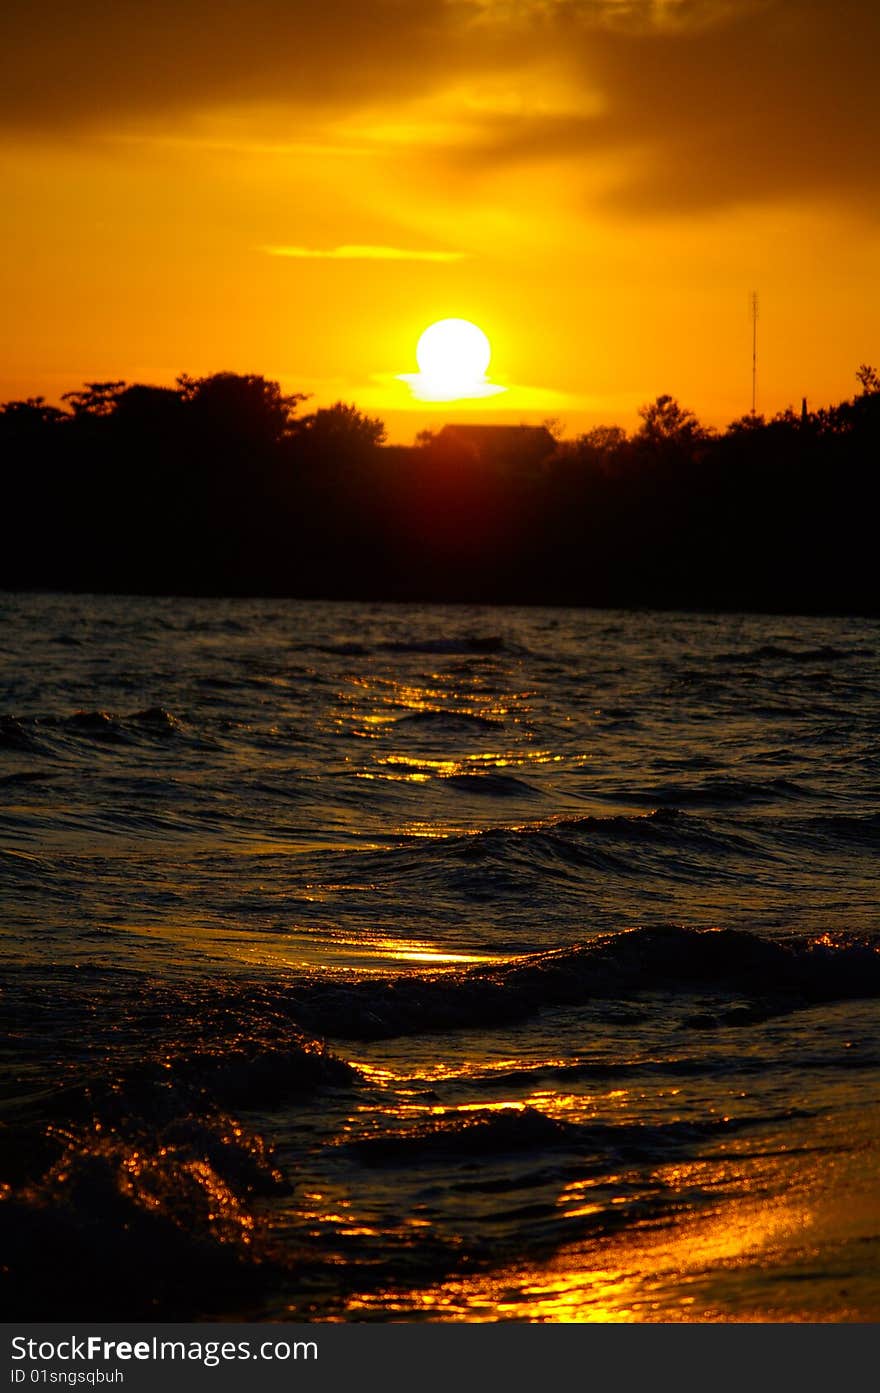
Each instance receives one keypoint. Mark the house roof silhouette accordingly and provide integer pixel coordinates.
(519, 444)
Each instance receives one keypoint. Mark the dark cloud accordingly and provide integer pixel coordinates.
(702, 103)
(71, 65)
(709, 104)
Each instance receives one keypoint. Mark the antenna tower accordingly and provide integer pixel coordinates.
(754, 348)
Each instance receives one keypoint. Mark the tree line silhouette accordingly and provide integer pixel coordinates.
(220, 485)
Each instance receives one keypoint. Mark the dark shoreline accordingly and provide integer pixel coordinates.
(695, 607)
(219, 488)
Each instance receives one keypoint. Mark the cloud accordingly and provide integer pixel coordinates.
(669, 106)
(363, 253)
(703, 104)
(89, 64)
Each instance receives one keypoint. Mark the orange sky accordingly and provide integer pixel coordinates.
(296, 190)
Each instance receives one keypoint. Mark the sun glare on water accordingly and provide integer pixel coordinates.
(453, 356)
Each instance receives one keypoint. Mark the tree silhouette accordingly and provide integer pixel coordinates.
(603, 439)
(31, 414)
(217, 485)
(152, 409)
(340, 431)
(869, 379)
(239, 409)
(95, 399)
(665, 422)
(747, 424)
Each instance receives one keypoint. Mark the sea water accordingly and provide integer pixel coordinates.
(368, 962)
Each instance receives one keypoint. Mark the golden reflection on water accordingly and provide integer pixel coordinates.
(434, 1070)
(390, 699)
(411, 950)
(363, 954)
(784, 1239)
(427, 955)
(653, 1273)
(420, 769)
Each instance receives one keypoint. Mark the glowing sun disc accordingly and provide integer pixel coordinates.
(453, 355)
(453, 351)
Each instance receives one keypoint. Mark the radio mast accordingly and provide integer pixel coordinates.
(754, 348)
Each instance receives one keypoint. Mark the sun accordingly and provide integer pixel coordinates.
(453, 355)
(453, 351)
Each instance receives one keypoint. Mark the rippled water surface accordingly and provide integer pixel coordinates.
(369, 961)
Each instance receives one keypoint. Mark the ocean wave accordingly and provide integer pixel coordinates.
(493, 1132)
(19, 735)
(466, 643)
(475, 1133)
(587, 841)
(847, 829)
(43, 734)
(782, 975)
(527, 860)
(453, 646)
(490, 784)
(496, 858)
(163, 1051)
(136, 1224)
(154, 720)
(780, 653)
(342, 649)
(449, 720)
(727, 1063)
(723, 790)
(126, 1187)
(133, 1190)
